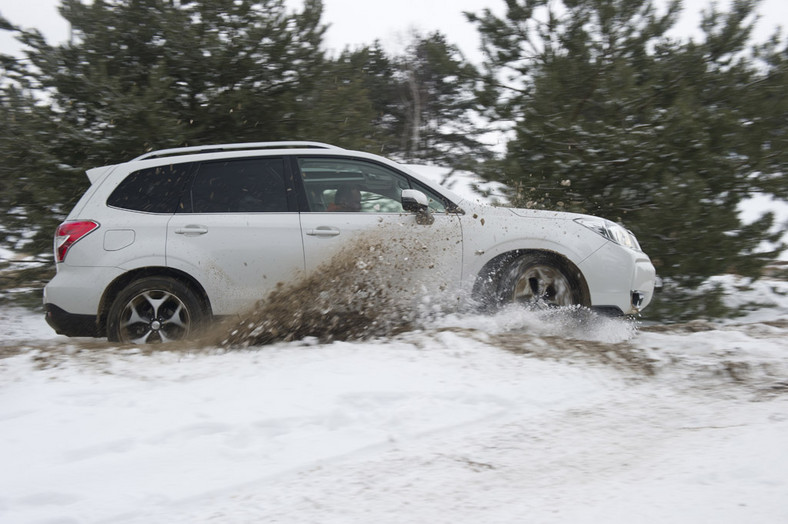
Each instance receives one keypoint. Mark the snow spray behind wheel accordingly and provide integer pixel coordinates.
(379, 284)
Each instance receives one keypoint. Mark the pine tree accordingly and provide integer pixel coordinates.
(138, 75)
(615, 118)
(437, 86)
(341, 108)
(419, 102)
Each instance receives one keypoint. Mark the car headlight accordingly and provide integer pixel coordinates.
(611, 231)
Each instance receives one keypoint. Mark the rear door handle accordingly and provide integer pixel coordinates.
(191, 230)
(323, 231)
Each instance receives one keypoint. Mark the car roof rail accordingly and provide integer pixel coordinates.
(176, 151)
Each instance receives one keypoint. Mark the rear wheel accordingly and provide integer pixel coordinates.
(539, 279)
(154, 310)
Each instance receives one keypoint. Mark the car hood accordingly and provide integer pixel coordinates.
(484, 210)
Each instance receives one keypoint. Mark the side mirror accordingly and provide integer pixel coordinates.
(415, 201)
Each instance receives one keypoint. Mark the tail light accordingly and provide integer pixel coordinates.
(69, 233)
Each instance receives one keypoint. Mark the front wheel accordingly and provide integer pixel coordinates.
(538, 279)
(154, 310)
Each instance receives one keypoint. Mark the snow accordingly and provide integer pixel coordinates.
(464, 184)
(522, 416)
(753, 208)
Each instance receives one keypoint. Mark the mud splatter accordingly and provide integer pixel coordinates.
(379, 285)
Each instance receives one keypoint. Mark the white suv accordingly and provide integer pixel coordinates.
(166, 242)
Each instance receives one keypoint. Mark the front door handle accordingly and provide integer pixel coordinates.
(323, 231)
(191, 230)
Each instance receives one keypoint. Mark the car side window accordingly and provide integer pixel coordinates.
(152, 190)
(348, 185)
(250, 185)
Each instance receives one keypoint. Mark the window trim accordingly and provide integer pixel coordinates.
(290, 192)
(303, 203)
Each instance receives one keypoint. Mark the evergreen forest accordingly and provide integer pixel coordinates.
(597, 106)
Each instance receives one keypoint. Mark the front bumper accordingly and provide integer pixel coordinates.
(619, 279)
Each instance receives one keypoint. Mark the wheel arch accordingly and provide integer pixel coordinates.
(117, 285)
(486, 281)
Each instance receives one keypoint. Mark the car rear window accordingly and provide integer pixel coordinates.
(152, 190)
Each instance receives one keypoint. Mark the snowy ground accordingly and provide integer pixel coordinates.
(518, 417)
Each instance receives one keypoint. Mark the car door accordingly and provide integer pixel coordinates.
(239, 232)
(372, 230)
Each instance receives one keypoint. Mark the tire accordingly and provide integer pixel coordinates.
(539, 280)
(154, 310)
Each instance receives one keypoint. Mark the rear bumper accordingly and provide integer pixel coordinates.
(72, 299)
(70, 324)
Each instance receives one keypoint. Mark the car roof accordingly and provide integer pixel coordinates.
(226, 151)
(242, 146)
